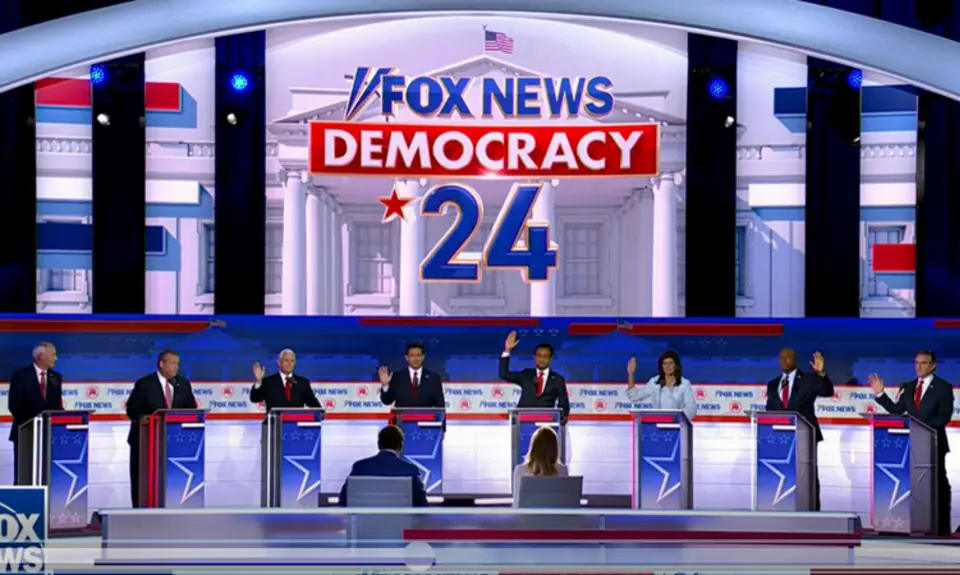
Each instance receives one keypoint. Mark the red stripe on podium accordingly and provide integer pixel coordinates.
(183, 418)
(657, 419)
(66, 420)
(419, 417)
(536, 417)
(297, 417)
(890, 423)
(774, 420)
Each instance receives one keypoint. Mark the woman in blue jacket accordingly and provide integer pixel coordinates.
(666, 390)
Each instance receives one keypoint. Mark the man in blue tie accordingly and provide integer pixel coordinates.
(388, 463)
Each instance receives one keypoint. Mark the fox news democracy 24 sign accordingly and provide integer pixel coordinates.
(483, 150)
(477, 399)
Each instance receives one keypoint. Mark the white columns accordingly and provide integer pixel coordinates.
(294, 296)
(317, 244)
(413, 248)
(335, 234)
(543, 294)
(665, 246)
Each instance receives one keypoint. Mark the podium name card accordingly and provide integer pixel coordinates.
(423, 432)
(290, 458)
(663, 460)
(785, 465)
(903, 479)
(53, 452)
(172, 459)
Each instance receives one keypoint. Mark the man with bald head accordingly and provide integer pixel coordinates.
(34, 389)
(796, 390)
(284, 388)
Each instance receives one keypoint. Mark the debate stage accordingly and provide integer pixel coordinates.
(475, 539)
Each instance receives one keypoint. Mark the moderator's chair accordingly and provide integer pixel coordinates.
(535, 492)
(380, 492)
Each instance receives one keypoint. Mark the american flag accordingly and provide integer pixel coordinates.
(497, 42)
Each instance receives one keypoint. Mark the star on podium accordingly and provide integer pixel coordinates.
(393, 206)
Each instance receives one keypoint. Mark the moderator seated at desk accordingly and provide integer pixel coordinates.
(388, 463)
(543, 460)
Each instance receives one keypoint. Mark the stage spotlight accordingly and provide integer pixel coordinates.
(103, 119)
(239, 82)
(718, 88)
(855, 79)
(232, 119)
(98, 74)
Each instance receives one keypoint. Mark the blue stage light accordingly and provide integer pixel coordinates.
(855, 79)
(718, 89)
(98, 74)
(239, 82)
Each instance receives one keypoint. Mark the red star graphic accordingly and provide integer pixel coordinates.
(394, 206)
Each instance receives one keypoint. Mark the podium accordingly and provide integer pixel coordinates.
(903, 478)
(525, 422)
(52, 451)
(423, 431)
(290, 457)
(785, 462)
(172, 459)
(663, 460)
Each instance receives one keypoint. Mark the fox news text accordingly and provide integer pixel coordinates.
(23, 529)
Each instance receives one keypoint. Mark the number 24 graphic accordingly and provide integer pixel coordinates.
(445, 263)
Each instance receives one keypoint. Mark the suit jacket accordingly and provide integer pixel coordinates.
(271, 392)
(25, 401)
(147, 398)
(400, 391)
(936, 406)
(554, 389)
(807, 387)
(388, 464)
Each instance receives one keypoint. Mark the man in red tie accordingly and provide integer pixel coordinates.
(34, 389)
(162, 389)
(414, 386)
(930, 399)
(539, 386)
(284, 388)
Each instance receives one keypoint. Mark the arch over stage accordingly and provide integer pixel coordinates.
(912, 56)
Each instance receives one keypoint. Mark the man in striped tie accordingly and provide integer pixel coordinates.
(928, 398)
(539, 386)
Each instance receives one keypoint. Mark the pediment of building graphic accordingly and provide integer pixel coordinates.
(476, 67)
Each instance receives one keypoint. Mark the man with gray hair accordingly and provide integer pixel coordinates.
(34, 389)
(284, 388)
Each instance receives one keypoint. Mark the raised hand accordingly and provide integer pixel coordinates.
(511, 342)
(876, 382)
(817, 364)
(385, 375)
(258, 372)
(632, 366)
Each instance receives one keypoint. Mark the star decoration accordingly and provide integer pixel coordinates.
(73, 493)
(896, 497)
(427, 436)
(187, 465)
(393, 206)
(666, 488)
(783, 491)
(306, 488)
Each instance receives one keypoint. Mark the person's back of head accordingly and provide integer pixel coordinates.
(390, 439)
(544, 452)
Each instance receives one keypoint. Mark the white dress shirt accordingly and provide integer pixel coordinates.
(40, 372)
(791, 377)
(163, 387)
(924, 386)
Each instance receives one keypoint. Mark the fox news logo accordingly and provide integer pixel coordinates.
(23, 529)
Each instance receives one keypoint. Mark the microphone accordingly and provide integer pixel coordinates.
(175, 381)
(900, 390)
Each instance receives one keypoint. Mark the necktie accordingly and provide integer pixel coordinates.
(288, 387)
(917, 395)
(785, 391)
(539, 382)
(415, 384)
(43, 385)
(168, 395)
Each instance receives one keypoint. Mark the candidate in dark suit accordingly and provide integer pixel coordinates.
(795, 390)
(930, 399)
(388, 463)
(413, 386)
(33, 389)
(162, 389)
(284, 388)
(539, 386)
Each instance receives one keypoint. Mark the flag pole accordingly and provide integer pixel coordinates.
(483, 46)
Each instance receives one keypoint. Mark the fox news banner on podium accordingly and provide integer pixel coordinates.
(25, 520)
(52, 452)
(423, 430)
(525, 422)
(290, 457)
(663, 460)
(785, 467)
(171, 458)
(904, 476)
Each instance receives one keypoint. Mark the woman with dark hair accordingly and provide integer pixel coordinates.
(666, 390)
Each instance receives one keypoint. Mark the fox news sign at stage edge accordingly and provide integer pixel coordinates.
(442, 146)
